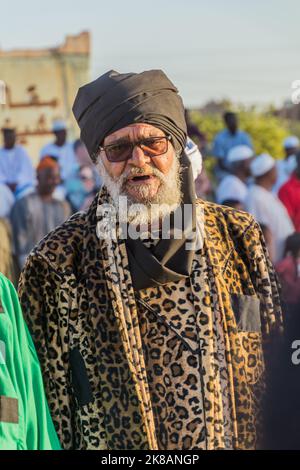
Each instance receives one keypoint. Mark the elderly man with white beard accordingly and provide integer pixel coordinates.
(152, 341)
(151, 181)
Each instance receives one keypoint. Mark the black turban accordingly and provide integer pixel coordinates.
(116, 100)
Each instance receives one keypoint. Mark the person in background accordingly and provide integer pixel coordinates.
(89, 183)
(83, 159)
(7, 200)
(289, 194)
(234, 186)
(81, 153)
(288, 270)
(265, 206)
(194, 133)
(62, 150)
(25, 422)
(287, 166)
(225, 140)
(203, 186)
(36, 214)
(85, 180)
(82, 189)
(16, 170)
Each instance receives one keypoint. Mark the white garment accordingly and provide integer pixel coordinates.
(262, 164)
(291, 142)
(267, 209)
(239, 153)
(6, 200)
(231, 187)
(16, 167)
(65, 156)
(195, 157)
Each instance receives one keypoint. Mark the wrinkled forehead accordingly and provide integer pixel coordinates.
(133, 132)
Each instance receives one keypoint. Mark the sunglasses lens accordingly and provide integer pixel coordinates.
(154, 147)
(119, 152)
(151, 147)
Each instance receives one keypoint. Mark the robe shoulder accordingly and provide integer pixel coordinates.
(235, 223)
(63, 247)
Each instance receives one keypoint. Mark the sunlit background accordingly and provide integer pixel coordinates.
(247, 52)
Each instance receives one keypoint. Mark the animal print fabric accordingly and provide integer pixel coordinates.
(76, 292)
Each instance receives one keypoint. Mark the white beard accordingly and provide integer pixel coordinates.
(150, 210)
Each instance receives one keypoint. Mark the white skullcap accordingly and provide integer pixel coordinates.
(291, 142)
(231, 187)
(194, 155)
(59, 125)
(262, 164)
(239, 153)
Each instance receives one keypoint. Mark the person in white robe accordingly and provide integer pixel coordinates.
(234, 186)
(62, 150)
(265, 206)
(16, 169)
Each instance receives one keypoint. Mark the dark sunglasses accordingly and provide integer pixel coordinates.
(122, 151)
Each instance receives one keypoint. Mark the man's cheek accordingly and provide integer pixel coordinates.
(115, 170)
(164, 164)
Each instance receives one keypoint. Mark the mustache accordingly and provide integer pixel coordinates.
(136, 171)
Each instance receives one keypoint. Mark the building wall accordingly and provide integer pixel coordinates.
(41, 86)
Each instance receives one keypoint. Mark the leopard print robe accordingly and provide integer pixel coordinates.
(99, 350)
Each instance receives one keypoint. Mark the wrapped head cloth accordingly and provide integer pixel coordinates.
(116, 100)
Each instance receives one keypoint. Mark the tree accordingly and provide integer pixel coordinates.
(266, 130)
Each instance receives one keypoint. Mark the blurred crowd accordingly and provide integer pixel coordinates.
(33, 201)
(266, 187)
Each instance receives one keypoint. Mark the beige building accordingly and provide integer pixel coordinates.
(40, 86)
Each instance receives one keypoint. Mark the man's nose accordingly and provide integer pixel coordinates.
(138, 158)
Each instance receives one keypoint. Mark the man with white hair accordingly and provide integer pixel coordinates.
(265, 206)
(233, 188)
(287, 166)
(150, 339)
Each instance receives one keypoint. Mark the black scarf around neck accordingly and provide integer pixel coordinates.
(169, 260)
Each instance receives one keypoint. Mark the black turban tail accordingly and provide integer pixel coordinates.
(114, 101)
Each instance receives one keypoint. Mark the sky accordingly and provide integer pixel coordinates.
(245, 51)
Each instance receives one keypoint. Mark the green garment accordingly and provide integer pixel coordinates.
(25, 422)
